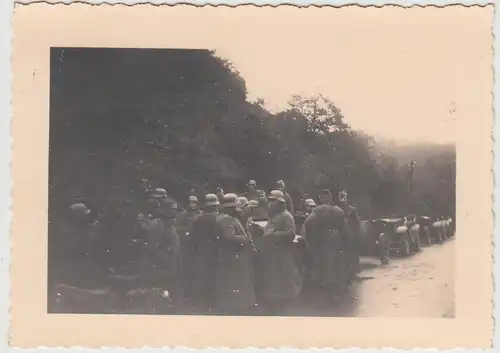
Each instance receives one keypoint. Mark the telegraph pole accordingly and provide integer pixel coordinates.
(409, 180)
(410, 176)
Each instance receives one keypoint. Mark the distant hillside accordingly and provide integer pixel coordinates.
(433, 176)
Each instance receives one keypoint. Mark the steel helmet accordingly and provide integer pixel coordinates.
(252, 182)
(253, 203)
(80, 207)
(309, 202)
(230, 200)
(159, 193)
(193, 199)
(211, 200)
(241, 201)
(277, 195)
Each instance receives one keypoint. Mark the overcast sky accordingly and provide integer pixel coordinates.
(408, 75)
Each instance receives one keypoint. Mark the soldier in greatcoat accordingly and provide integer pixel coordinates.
(205, 238)
(160, 266)
(184, 224)
(252, 193)
(167, 212)
(80, 250)
(234, 290)
(353, 228)
(325, 234)
(280, 279)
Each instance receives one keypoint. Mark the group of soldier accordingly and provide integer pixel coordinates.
(216, 256)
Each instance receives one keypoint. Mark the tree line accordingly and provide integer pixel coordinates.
(181, 118)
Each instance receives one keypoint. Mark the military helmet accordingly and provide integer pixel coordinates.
(80, 207)
(277, 195)
(309, 202)
(242, 201)
(159, 193)
(252, 182)
(193, 199)
(211, 200)
(229, 200)
(253, 203)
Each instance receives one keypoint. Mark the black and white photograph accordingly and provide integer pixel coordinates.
(182, 182)
(265, 177)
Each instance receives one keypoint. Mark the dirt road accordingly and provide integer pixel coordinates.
(419, 286)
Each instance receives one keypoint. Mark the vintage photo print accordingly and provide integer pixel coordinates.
(252, 177)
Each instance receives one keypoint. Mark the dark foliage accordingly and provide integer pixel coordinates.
(181, 119)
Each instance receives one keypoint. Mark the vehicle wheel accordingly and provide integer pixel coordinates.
(404, 248)
(428, 238)
(384, 249)
(440, 237)
(417, 244)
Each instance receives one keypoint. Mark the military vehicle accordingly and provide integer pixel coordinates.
(402, 238)
(425, 229)
(414, 230)
(437, 232)
(373, 240)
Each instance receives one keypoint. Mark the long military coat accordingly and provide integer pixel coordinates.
(204, 236)
(77, 255)
(160, 264)
(184, 224)
(325, 234)
(353, 224)
(234, 285)
(278, 273)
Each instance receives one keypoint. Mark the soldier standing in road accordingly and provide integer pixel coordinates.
(353, 229)
(167, 212)
(325, 234)
(78, 253)
(252, 193)
(242, 208)
(159, 264)
(246, 211)
(280, 279)
(205, 238)
(183, 226)
(288, 199)
(234, 290)
(309, 206)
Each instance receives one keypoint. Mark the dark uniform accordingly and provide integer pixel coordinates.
(280, 278)
(184, 224)
(234, 287)
(325, 234)
(204, 235)
(353, 229)
(79, 251)
(160, 267)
